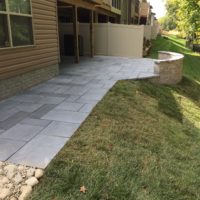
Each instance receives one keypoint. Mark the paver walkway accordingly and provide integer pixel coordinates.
(36, 124)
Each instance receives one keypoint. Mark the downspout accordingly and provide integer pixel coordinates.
(127, 11)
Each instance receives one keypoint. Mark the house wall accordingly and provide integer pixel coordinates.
(124, 18)
(144, 9)
(155, 30)
(147, 32)
(110, 39)
(42, 56)
(127, 11)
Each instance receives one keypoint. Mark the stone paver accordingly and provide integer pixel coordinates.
(1, 131)
(13, 120)
(88, 107)
(5, 114)
(65, 116)
(28, 107)
(42, 111)
(35, 125)
(39, 151)
(70, 106)
(9, 147)
(41, 99)
(60, 129)
(35, 122)
(21, 132)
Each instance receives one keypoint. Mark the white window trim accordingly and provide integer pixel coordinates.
(8, 14)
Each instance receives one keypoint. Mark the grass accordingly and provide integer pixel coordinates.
(141, 142)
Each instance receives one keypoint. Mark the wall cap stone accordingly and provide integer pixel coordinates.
(173, 56)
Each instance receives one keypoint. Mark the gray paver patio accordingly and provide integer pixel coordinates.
(35, 124)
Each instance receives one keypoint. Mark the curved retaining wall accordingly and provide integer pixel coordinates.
(169, 67)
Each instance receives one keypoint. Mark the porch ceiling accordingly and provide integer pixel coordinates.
(89, 5)
(78, 3)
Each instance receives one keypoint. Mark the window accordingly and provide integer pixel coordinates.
(15, 23)
(116, 4)
(2, 5)
(4, 38)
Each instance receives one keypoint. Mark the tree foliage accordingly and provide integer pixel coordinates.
(169, 22)
(183, 15)
(189, 16)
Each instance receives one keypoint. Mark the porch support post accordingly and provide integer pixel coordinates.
(75, 29)
(96, 17)
(92, 33)
(107, 18)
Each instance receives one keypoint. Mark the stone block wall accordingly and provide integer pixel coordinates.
(13, 85)
(169, 67)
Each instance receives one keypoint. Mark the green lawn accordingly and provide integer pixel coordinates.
(141, 142)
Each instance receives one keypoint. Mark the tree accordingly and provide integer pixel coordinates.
(166, 23)
(172, 7)
(189, 16)
(169, 22)
(183, 15)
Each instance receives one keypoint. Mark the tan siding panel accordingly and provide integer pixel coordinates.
(5, 60)
(20, 54)
(40, 59)
(49, 36)
(45, 32)
(24, 70)
(45, 52)
(12, 67)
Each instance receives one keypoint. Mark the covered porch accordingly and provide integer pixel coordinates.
(75, 12)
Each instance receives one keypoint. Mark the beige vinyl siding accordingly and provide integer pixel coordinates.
(44, 52)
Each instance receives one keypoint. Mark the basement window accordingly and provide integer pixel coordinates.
(16, 27)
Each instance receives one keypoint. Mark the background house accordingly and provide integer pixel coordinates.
(130, 11)
(145, 13)
(148, 19)
(110, 37)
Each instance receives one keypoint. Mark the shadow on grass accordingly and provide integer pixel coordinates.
(167, 103)
(175, 40)
(192, 67)
(190, 89)
(178, 47)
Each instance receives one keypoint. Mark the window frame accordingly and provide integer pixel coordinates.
(8, 13)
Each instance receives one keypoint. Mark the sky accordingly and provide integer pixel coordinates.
(158, 7)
